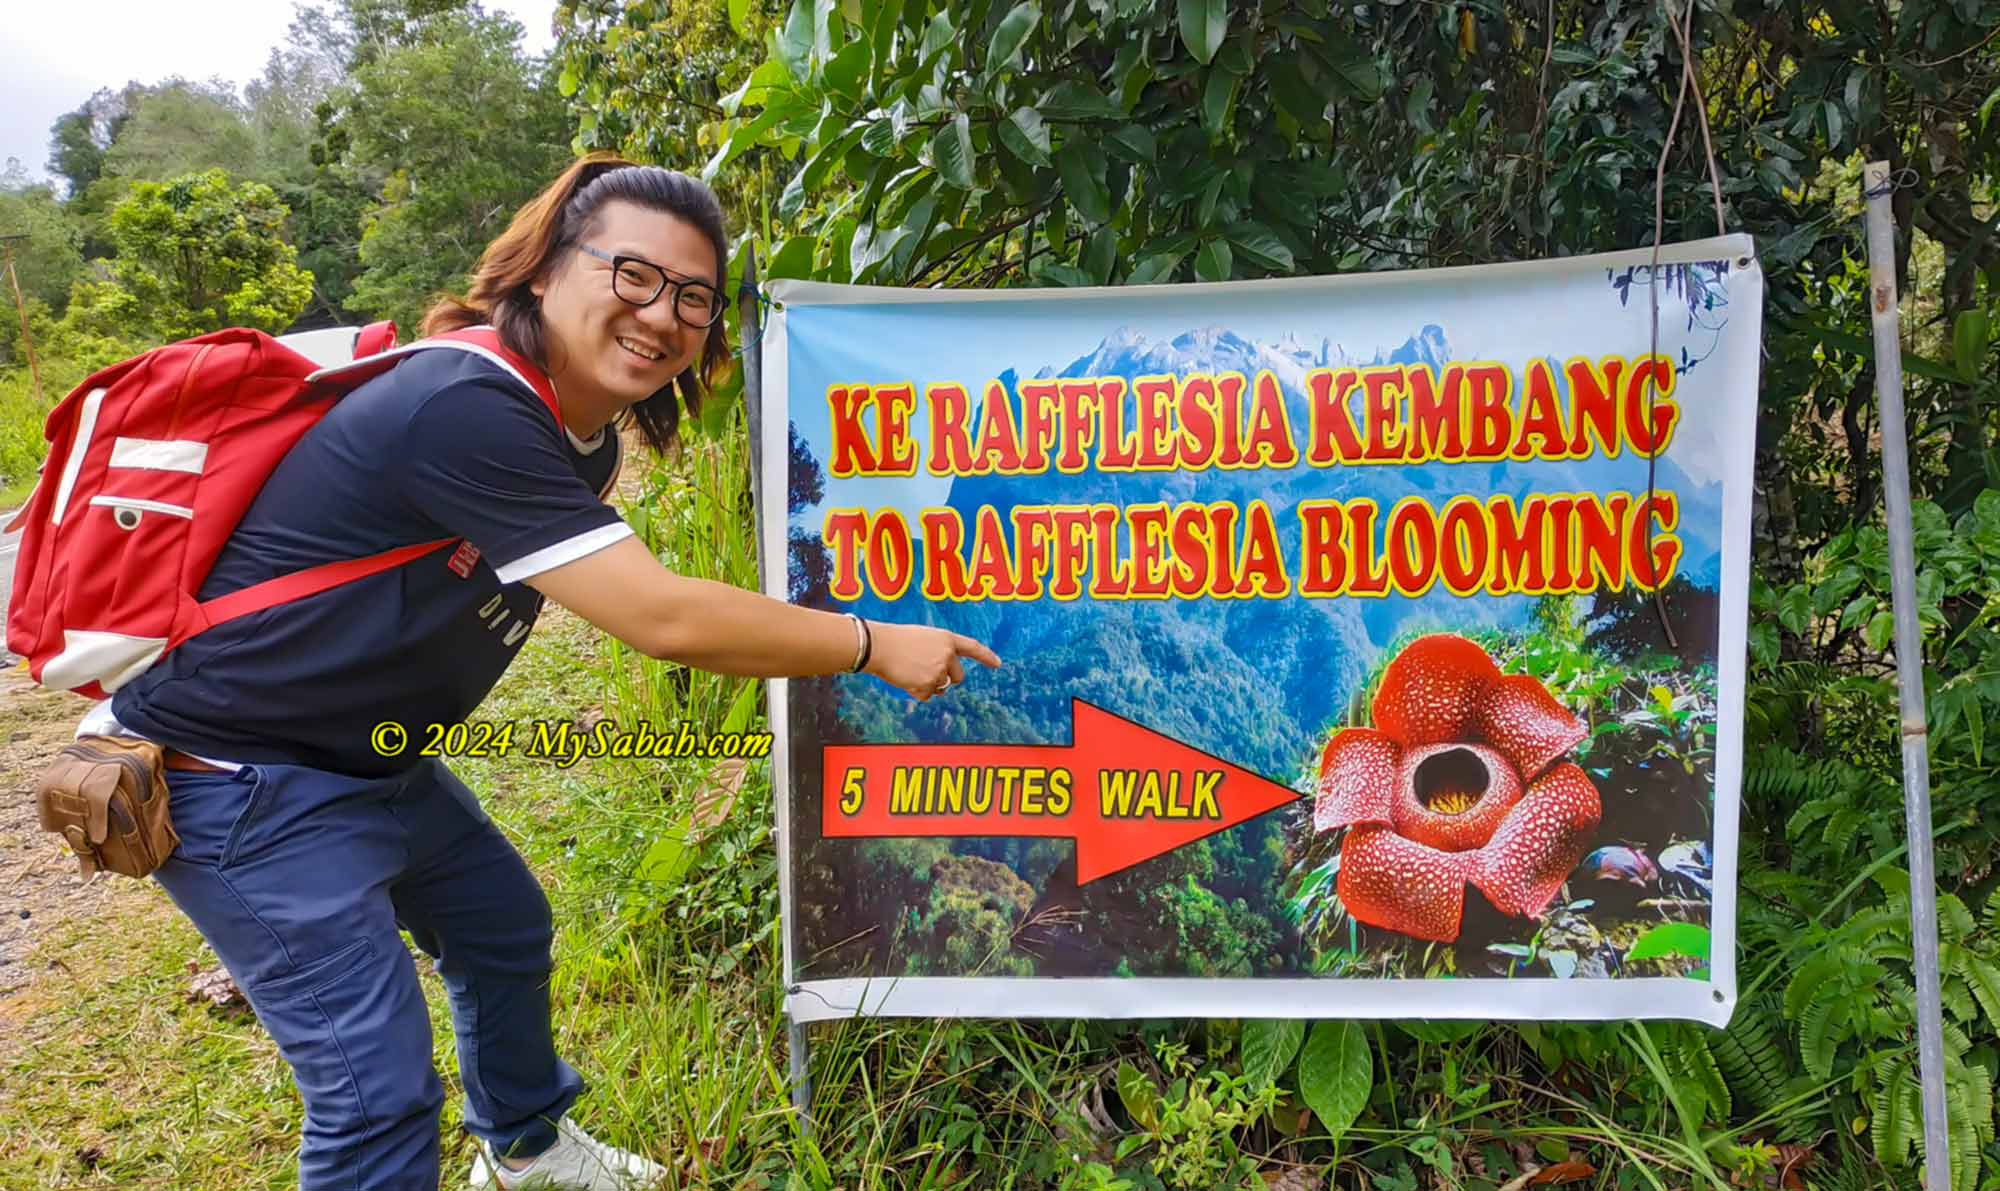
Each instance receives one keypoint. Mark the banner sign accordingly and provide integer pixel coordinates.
(1373, 646)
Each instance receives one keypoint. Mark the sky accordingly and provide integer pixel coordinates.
(54, 56)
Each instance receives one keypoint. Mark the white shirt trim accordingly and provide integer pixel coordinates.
(587, 446)
(99, 721)
(548, 558)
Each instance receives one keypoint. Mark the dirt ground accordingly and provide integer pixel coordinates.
(39, 886)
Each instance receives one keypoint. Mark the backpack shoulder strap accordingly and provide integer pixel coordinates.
(298, 585)
(481, 341)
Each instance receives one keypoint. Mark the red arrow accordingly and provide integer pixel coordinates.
(1123, 792)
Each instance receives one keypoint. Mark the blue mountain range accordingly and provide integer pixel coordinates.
(1257, 682)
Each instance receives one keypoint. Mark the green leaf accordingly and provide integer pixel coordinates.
(1984, 980)
(742, 139)
(1011, 35)
(1362, 77)
(755, 88)
(1863, 346)
(879, 138)
(938, 35)
(1336, 1072)
(847, 72)
(951, 149)
(1880, 631)
(1765, 645)
(739, 17)
(1439, 1032)
(1204, 23)
(1134, 143)
(795, 39)
(1217, 97)
(837, 241)
(1968, 343)
(794, 258)
(1026, 136)
(1099, 254)
(1068, 276)
(793, 199)
(1213, 262)
(1154, 269)
(1268, 1048)
(1295, 93)
(1140, 1097)
(1262, 246)
(1795, 609)
(1081, 165)
(1133, 85)
(566, 81)
(1683, 939)
(666, 858)
(1073, 100)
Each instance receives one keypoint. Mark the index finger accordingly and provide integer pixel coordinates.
(969, 648)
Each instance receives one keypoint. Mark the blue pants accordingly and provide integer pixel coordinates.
(299, 879)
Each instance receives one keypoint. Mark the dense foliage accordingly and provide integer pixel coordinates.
(1104, 141)
(359, 176)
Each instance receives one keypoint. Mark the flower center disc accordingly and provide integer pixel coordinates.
(1451, 782)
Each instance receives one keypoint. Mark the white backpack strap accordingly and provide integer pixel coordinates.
(351, 375)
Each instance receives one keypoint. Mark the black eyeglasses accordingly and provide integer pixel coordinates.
(641, 282)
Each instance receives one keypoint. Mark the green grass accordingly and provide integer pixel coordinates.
(21, 442)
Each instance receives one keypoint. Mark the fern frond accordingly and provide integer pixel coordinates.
(1978, 1100)
(1841, 829)
(1777, 774)
(1957, 999)
(1963, 1145)
(1689, 1062)
(1812, 812)
(1751, 1061)
(1893, 1122)
(1815, 975)
(1954, 920)
(1817, 1026)
(1956, 1043)
(1983, 978)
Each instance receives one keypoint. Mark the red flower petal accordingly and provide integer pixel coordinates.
(1518, 716)
(1540, 841)
(1430, 692)
(1432, 773)
(1390, 882)
(1357, 779)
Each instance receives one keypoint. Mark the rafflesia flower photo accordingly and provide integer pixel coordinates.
(1462, 781)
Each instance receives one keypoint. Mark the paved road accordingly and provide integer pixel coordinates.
(10, 546)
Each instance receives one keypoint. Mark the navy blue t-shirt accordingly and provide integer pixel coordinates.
(443, 445)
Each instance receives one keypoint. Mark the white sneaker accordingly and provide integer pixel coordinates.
(577, 1162)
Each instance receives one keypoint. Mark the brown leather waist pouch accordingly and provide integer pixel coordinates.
(107, 797)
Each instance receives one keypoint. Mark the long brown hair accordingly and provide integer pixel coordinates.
(553, 222)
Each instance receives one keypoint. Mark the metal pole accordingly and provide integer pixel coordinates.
(21, 306)
(750, 319)
(1876, 187)
(751, 322)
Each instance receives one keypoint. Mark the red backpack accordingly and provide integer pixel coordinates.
(152, 463)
